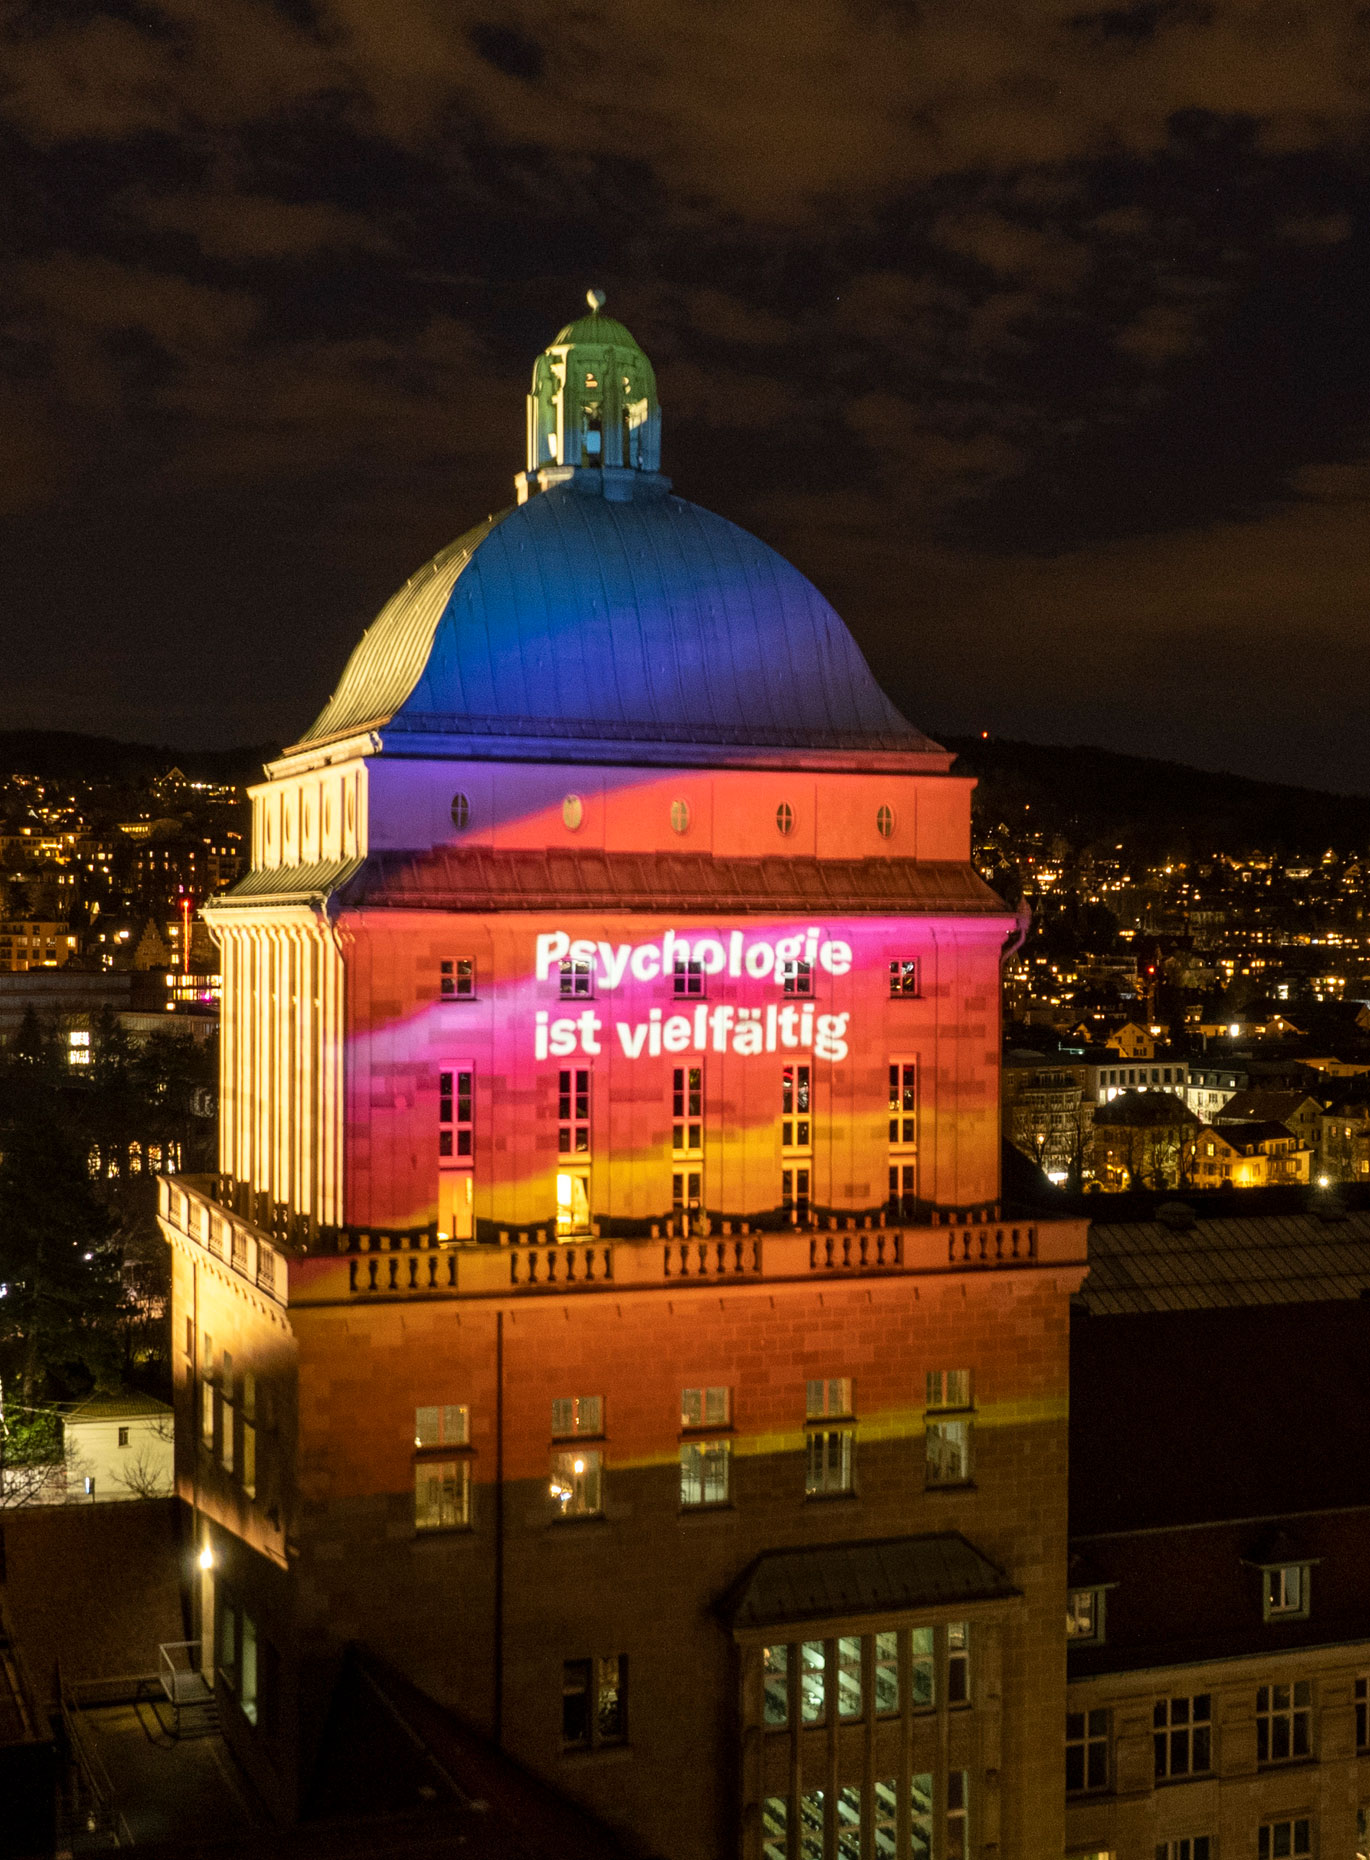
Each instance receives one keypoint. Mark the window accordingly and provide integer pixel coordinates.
(1285, 1840)
(573, 1201)
(687, 1110)
(828, 1467)
(577, 1414)
(573, 1111)
(903, 1196)
(885, 1820)
(461, 811)
(123, 1436)
(958, 1815)
(784, 819)
(903, 1104)
(705, 1407)
(948, 1388)
(248, 1471)
(903, 977)
(594, 1702)
(849, 1822)
(886, 1687)
(576, 1482)
(923, 1669)
(572, 813)
(958, 1663)
(813, 1681)
(796, 1129)
(884, 822)
(455, 1120)
(775, 1828)
(442, 1495)
(575, 978)
(796, 976)
(680, 816)
(247, 1669)
(1189, 1847)
(775, 1679)
(947, 1450)
(687, 979)
(1363, 1714)
(457, 979)
(226, 1441)
(1182, 1738)
(1282, 1722)
(1086, 1751)
(442, 1427)
(920, 1816)
(1286, 1592)
(794, 1194)
(850, 1700)
(1085, 1615)
(811, 1825)
(827, 1397)
(704, 1469)
(686, 1192)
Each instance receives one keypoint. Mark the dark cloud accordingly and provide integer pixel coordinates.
(1026, 328)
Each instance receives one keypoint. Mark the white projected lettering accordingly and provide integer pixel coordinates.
(797, 1027)
(734, 953)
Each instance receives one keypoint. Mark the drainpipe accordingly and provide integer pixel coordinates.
(498, 1714)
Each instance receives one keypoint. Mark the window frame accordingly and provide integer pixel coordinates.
(687, 1112)
(1300, 1843)
(796, 1109)
(1295, 1712)
(902, 1112)
(1170, 1731)
(593, 1670)
(940, 1434)
(1091, 1633)
(436, 1473)
(1095, 1735)
(1276, 1587)
(699, 1457)
(456, 978)
(576, 978)
(905, 978)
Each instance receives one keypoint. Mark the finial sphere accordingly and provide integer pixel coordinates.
(596, 300)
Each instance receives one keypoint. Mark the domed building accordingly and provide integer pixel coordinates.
(609, 1182)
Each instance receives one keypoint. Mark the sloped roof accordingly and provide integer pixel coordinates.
(880, 1577)
(1239, 1259)
(581, 618)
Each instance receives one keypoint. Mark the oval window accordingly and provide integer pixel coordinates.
(784, 818)
(573, 811)
(680, 816)
(461, 812)
(884, 822)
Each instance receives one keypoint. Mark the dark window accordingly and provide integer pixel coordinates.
(594, 1702)
(461, 811)
(903, 1195)
(455, 1120)
(904, 976)
(458, 979)
(573, 1111)
(687, 1110)
(688, 978)
(575, 1704)
(1183, 1736)
(1086, 1751)
(794, 1193)
(796, 1128)
(1282, 1722)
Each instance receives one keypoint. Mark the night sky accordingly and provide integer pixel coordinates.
(1035, 334)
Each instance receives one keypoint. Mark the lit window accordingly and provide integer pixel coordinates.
(1085, 1615)
(687, 1110)
(813, 1681)
(903, 1104)
(573, 811)
(1188, 1847)
(796, 1130)
(828, 1467)
(704, 1472)
(775, 1828)
(1286, 1592)
(680, 816)
(885, 1821)
(1086, 1751)
(947, 1452)
(573, 1111)
(594, 1702)
(886, 1674)
(461, 811)
(850, 1697)
(920, 1814)
(442, 1495)
(573, 1202)
(448, 1426)
(811, 1842)
(948, 1388)
(923, 1669)
(1182, 1738)
(576, 1482)
(904, 977)
(577, 1414)
(455, 1115)
(1285, 1840)
(686, 1192)
(688, 979)
(1283, 1715)
(775, 1681)
(458, 979)
(884, 822)
(784, 819)
(575, 978)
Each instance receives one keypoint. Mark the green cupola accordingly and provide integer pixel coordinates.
(593, 415)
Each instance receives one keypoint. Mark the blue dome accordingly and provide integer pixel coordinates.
(576, 618)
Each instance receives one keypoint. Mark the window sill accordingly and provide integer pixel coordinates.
(725, 1508)
(442, 1531)
(1284, 1763)
(579, 1521)
(1175, 1782)
(829, 1498)
(962, 1485)
(606, 1754)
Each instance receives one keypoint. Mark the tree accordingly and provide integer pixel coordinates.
(31, 1463)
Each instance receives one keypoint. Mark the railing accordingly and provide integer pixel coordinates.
(90, 1799)
(414, 1263)
(178, 1668)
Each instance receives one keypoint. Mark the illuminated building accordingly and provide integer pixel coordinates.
(605, 1313)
